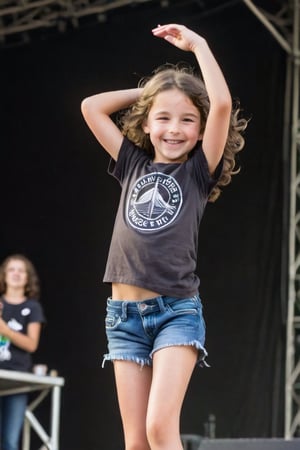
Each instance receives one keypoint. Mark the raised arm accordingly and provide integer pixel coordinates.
(217, 125)
(97, 111)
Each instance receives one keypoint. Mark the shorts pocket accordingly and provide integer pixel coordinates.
(185, 306)
(112, 320)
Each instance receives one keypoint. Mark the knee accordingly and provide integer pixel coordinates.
(156, 433)
(137, 446)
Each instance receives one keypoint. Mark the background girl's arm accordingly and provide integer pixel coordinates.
(97, 110)
(217, 125)
(28, 342)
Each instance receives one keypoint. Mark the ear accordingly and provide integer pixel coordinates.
(145, 127)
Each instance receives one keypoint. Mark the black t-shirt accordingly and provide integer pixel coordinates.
(17, 318)
(155, 239)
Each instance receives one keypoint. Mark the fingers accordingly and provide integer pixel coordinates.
(177, 35)
(170, 33)
(169, 29)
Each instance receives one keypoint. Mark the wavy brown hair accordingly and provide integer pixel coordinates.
(183, 78)
(32, 288)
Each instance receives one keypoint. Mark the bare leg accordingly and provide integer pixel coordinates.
(172, 370)
(133, 386)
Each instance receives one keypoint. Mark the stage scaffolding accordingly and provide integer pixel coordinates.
(19, 17)
(284, 26)
(292, 141)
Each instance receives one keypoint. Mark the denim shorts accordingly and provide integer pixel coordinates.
(135, 330)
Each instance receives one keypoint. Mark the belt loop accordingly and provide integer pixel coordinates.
(161, 304)
(124, 311)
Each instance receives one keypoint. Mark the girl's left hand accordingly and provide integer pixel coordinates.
(3, 327)
(178, 35)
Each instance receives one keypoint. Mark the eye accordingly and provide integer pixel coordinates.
(162, 118)
(188, 119)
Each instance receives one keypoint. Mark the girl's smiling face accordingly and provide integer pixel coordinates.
(173, 124)
(16, 274)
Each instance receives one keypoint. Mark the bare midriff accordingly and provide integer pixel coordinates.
(130, 292)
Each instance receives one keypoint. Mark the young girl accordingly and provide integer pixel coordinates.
(20, 326)
(176, 147)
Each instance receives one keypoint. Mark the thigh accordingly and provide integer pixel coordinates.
(172, 370)
(133, 385)
(13, 412)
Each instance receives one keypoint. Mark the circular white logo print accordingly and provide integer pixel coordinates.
(154, 202)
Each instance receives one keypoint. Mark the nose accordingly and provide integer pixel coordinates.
(174, 126)
(16, 272)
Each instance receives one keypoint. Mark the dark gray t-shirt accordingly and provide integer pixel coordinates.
(155, 238)
(18, 317)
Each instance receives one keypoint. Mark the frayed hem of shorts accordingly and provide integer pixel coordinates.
(202, 351)
(140, 361)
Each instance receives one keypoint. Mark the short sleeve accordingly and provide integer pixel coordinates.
(129, 156)
(200, 166)
(36, 312)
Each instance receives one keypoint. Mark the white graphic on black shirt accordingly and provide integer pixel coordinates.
(25, 312)
(14, 325)
(154, 202)
(5, 353)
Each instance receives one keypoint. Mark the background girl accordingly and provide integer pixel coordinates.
(20, 327)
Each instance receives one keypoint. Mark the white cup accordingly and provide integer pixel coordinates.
(40, 369)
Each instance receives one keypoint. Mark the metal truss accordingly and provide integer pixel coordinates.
(18, 17)
(292, 385)
(284, 26)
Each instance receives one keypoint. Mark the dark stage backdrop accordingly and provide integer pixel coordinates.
(58, 207)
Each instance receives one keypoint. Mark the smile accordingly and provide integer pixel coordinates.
(173, 141)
